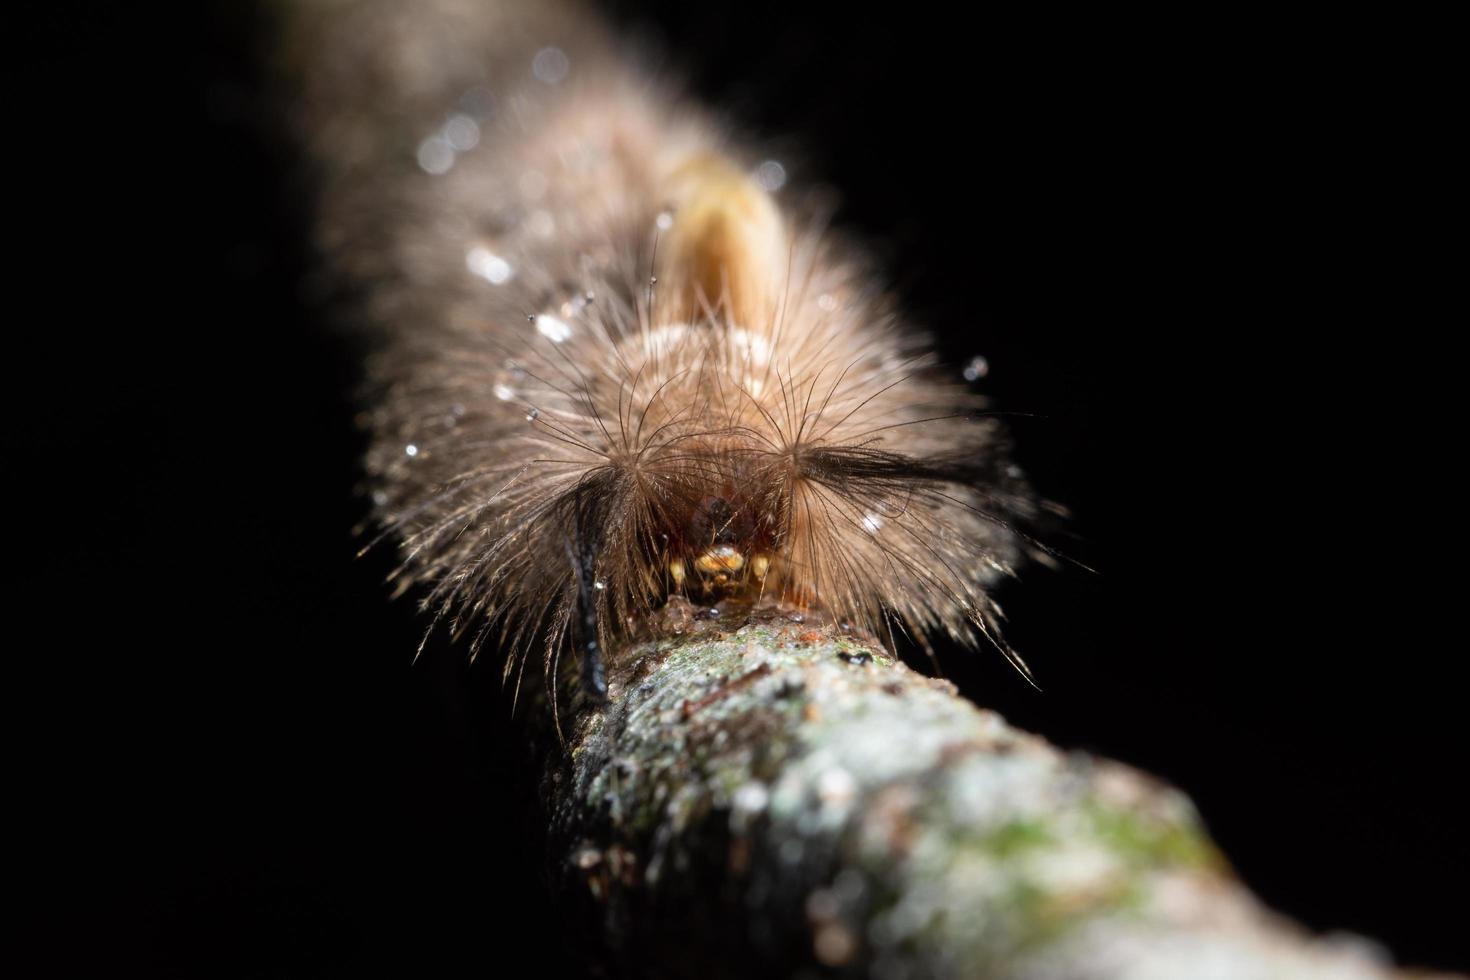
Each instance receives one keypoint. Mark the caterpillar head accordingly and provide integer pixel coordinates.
(744, 420)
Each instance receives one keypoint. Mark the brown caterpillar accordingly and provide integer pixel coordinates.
(615, 361)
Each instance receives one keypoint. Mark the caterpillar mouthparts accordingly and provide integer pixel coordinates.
(616, 361)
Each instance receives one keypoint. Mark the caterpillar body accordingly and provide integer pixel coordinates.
(616, 365)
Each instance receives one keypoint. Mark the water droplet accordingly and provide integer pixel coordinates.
(435, 156)
(487, 265)
(599, 586)
(411, 450)
(978, 368)
(380, 498)
(574, 306)
(871, 523)
(771, 175)
(504, 392)
(552, 329)
(664, 221)
(461, 132)
(533, 415)
(550, 65)
(827, 302)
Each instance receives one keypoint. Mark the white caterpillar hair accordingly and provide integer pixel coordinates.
(612, 366)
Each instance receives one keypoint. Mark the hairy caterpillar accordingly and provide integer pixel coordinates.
(616, 363)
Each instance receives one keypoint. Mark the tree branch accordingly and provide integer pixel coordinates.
(763, 796)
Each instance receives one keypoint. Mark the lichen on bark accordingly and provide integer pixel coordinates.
(763, 794)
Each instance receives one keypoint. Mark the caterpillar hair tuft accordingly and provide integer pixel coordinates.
(615, 364)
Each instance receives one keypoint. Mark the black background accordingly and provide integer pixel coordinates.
(231, 762)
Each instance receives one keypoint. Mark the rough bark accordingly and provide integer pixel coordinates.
(766, 796)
